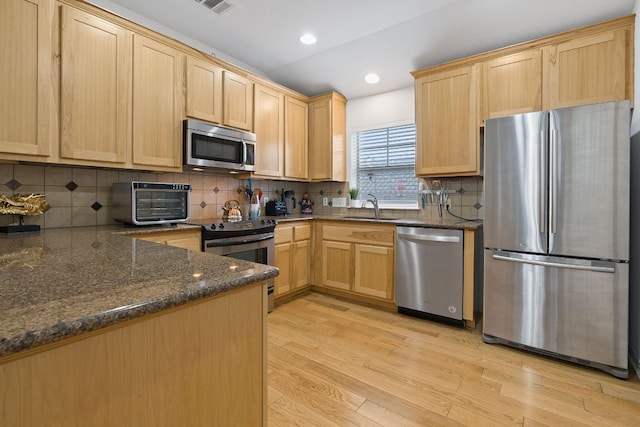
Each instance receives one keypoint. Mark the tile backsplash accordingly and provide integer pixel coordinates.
(80, 196)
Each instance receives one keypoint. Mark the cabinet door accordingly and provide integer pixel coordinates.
(158, 108)
(336, 265)
(282, 283)
(320, 144)
(446, 124)
(374, 271)
(95, 92)
(589, 70)
(204, 90)
(327, 139)
(301, 274)
(512, 84)
(295, 139)
(269, 130)
(25, 76)
(238, 101)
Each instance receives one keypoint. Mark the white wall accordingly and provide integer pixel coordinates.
(383, 110)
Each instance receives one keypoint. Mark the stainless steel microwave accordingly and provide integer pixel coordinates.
(148, 203)
(207, 145)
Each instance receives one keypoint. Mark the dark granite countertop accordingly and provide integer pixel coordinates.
(60, 283)
(447, 223)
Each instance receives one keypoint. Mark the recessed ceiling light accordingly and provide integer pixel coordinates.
(308, 39)
(372, 78)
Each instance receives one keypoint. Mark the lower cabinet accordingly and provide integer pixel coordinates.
(187, 239)
(356, 261)
(292, 255)
(200, 364)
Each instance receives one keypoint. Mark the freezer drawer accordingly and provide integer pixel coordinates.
(569, 307)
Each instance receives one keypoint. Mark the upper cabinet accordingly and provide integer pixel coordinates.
(204, 90)
(158, 107)
(446, 126)
(25, 78)
(501, 75)
(269, 130)
(95, 89)
(327, 138)
(238, 101)
(590, 69)
(585, 66)
(296, 139)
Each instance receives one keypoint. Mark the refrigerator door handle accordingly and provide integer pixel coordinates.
(543, 173)
(591, 267)
(553, 177)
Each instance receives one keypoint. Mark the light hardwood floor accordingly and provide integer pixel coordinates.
(334, 363)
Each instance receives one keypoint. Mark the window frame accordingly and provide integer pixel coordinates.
(411, 204)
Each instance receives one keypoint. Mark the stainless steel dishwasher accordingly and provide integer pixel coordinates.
(429, 273)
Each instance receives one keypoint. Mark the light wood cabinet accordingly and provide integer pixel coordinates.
(204, 90)
(337, 264)
(590, 69)
(292, 241)
(187, 239)
(582, 70)
(374, 271)
(512, 84)
(356, 260)
(296, 138)
(158, 106)
(25, 78)
(269, 130)
(446, 123)
(200, 364)
(328, 138)
(95, 89)
(238, 101)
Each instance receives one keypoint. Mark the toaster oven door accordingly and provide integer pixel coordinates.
(160, 207)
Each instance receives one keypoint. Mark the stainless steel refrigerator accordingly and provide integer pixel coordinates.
(556, 233)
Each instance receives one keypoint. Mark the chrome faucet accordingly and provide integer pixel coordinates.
(374, 202)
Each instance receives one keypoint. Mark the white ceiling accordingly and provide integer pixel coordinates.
(356, 37)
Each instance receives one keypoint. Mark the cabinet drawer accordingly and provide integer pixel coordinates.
(302, 232)
(370, 234)
(283, 235)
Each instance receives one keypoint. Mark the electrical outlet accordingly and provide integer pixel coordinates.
(339, 202)
(325, 201)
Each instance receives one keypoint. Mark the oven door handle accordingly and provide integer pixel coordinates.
(239, 240)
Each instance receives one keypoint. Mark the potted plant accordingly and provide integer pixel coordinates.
(353, 194)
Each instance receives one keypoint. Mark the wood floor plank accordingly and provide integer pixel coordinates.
(385, 416)
(417, 413)
(333, 362)
(468, 416)
(289, 412)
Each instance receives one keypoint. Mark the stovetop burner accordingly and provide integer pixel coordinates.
(218, 229)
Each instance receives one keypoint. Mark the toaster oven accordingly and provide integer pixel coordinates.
(148, 203)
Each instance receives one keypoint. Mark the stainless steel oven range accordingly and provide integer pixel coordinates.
(247, 240)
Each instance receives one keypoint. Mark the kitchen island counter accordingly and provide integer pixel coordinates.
(61, 283)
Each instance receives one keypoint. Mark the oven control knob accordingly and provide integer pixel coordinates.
(221, 225)
(263, 222)
(213, 226)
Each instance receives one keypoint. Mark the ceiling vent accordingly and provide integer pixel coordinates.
(217, 6)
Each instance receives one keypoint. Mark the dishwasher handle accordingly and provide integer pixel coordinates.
(429, 238)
